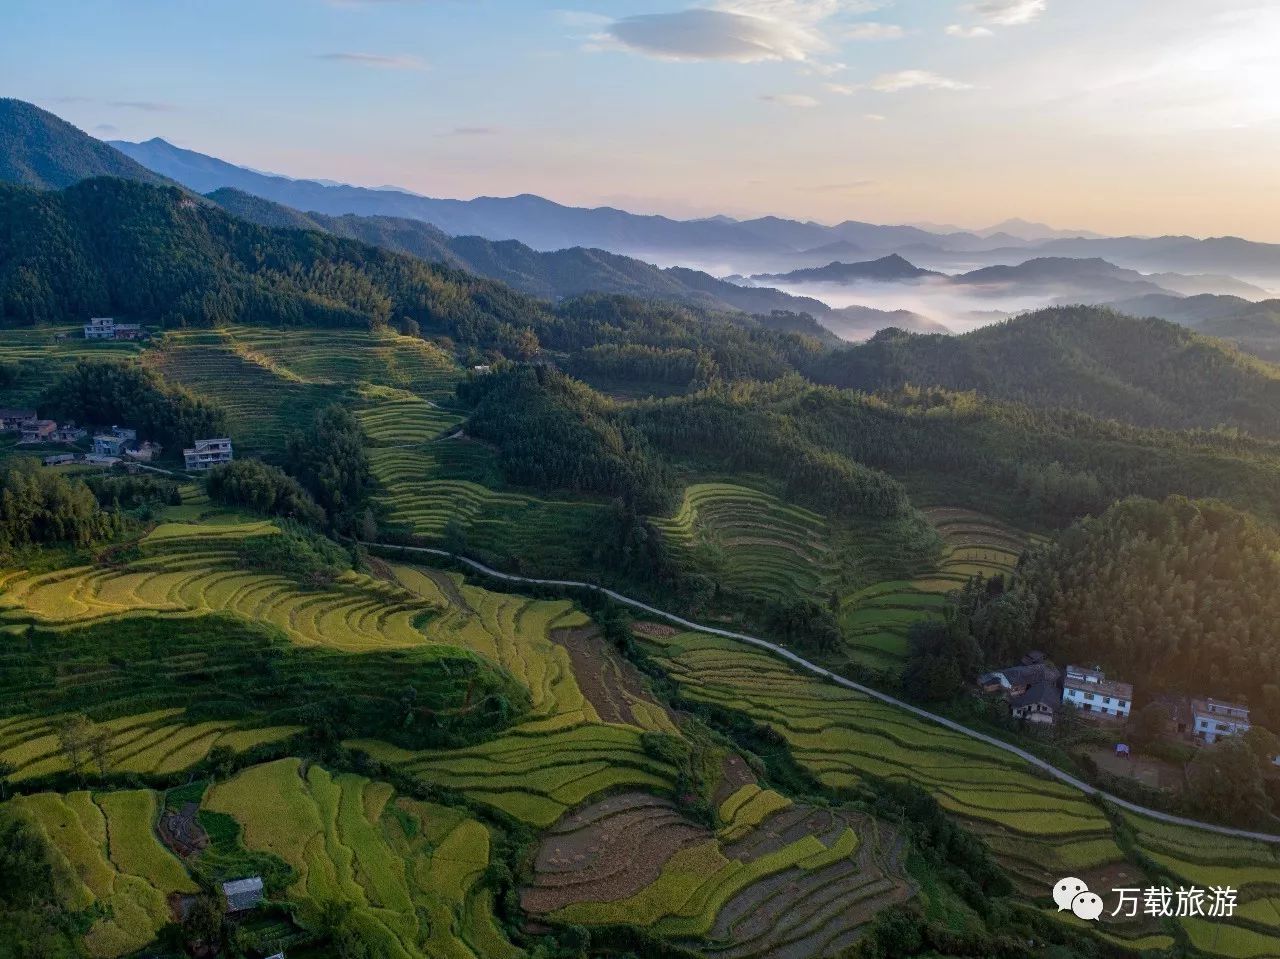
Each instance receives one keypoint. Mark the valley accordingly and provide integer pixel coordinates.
(545, 603)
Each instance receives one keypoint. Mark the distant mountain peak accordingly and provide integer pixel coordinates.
(41, 150)
(893, 268)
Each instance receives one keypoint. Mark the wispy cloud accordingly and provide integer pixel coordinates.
(704, 34)
(378, 61)
(874, 31)
(898, 82)
(106, 128)
(741, 31)
(799, 101)
(1008, 13)
(968, 33)
(997, 13)
(147, 106)
(915, 80)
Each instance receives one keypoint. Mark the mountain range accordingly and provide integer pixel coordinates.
(40, 150)
(1054, 279)
(161, 255)
(1253, 326)
(757, 245)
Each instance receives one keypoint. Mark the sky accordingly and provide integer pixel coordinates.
(1119, 116)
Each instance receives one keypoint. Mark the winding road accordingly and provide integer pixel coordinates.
(839, 680)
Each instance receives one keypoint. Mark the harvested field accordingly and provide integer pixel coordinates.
(800, 882)
(606, 851)
(611, 684)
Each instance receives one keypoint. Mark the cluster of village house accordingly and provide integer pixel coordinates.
(110, 446)
(1036, 690)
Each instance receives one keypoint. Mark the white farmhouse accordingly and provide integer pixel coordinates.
(207, 454)
(1090, 691)
(1215, 719)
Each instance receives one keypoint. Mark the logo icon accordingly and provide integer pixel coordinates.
(1073, 895)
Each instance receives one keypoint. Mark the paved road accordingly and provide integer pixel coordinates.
(836, 678)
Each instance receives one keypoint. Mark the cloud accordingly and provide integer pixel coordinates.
(841, 89)
(378, 61)
(968, 33)
(106, 128)
(1008, 13)
(799, 101)
(874, 117)
(148, 106)
(703, 34)
(874, 31)
(915, 80)
(740, 31)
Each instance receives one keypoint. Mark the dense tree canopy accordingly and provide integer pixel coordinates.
(263, 488)
(41, 507)
(1143, 371)
(329, 460)
(1176, 595)
(554, 433)
(133, 396)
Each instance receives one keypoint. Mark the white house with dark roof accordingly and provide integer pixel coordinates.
(1215, 719)
(1090, 691)
(1039, 704)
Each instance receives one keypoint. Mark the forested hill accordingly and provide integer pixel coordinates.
(158, 255)
(552, 275)
(154, 253)
(1144, 371)
(38, 149)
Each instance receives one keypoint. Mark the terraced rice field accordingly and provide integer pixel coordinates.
(272, 382)
(337, 357)
(875, 619)
(566, 752)
(157, 742)
(109, 855)
(1036, 826)
(779, 880)
(426, 483)
(397, 417)
(1203, 860)
(188, 568)
(411, 870)
(758, 545)
(41, 357)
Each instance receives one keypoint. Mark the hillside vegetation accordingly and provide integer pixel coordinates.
(1143, 371)
(1183, 594)
(40, 150)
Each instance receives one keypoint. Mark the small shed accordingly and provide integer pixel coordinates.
(243, 894)
(1122, 750)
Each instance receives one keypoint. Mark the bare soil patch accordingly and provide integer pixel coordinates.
(610, 683)
(607, 850)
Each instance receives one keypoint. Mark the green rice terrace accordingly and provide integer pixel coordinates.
(439, 770)
(523, 721)
(434, 480)
(760, 547)
(37, 356)
(271, 382)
